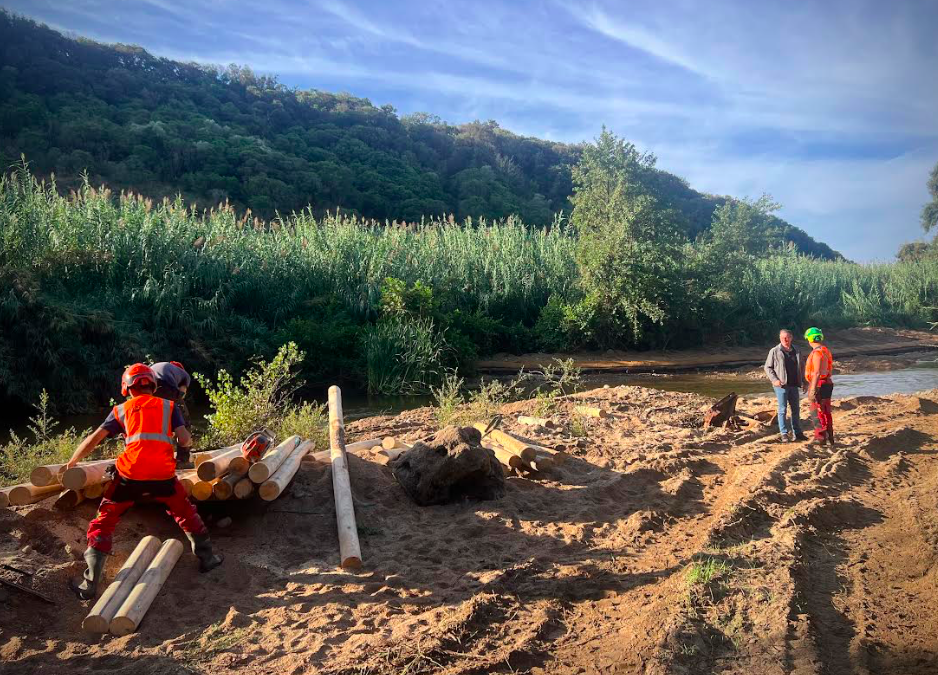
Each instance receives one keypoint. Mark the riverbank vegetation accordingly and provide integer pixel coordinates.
(93, 281)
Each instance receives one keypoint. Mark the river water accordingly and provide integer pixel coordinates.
(922, 375)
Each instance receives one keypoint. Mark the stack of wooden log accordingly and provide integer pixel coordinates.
(224, 474)
(520, 456)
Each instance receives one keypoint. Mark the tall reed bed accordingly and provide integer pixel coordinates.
(92, 281)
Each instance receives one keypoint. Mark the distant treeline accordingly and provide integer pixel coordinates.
(159, 127)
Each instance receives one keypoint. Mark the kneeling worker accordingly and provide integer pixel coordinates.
(146, 469)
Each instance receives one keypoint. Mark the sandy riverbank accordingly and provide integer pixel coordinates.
(806, 560)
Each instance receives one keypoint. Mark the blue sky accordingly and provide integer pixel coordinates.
(831, 107)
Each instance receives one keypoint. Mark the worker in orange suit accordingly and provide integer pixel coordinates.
(819, 386)
(145, 470)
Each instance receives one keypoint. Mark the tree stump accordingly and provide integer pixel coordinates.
(721, 411)
(450, 467)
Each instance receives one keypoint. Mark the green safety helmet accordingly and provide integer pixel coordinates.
(814, 335)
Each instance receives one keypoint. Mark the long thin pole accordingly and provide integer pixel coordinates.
(349, 548)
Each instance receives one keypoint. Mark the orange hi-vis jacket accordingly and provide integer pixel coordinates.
(148, 441)
(819, 361)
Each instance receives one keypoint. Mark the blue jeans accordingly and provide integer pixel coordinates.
(788, 397)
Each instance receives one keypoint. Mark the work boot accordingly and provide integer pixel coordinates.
(202, 548)
(830, 438)
(783, 438)
(88, 588)
(800, 437)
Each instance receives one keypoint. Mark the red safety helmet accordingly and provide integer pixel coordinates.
(135, 376)
(177, 364)
(256, 445)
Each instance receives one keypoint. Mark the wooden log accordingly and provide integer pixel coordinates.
(188, 479)
(217, 466)
(591, 411)
(5, 497)
(377, 449)
(558, 457)
(721, 411)
(83, 475)
(199, 457)
(366, 445)
(202, 490)
(385, 456)
(540, 464)
(239, 466)
(264, 469)
(99, 618)
(349, 549)
(27, 493)
(510, 443)
(132, 611)
(96, 490)
(69, 499)
(274, 486)
(224, 487)
(537, 422)
(321, 456)
(391, 442)
(244, 488)
(51, 474)
(506, 457)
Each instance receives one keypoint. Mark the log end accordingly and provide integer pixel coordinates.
(269, 491)
(122, 625)
(528, 454)
(202, 491)
(258, 473)
(353, 562)
(222, 490)
(42, 476)
(74, 478)
(206, 470)
(95, 623)
(239, 466)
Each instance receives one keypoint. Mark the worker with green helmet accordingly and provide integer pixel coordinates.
(819, 385)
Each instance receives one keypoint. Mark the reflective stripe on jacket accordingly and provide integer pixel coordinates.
(819, 361)
(148, 441)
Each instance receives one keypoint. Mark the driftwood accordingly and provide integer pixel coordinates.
(721, 411)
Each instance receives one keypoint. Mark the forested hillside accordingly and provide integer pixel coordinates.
(159, 127)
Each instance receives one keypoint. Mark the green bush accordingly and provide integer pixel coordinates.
(404, 356)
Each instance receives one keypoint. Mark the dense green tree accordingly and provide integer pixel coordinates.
(629, 250)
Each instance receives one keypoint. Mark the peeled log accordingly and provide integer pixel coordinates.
(99, 618)
(51, 474)
(200, 457)
(217, 466)
(590, 411)
(4, 498)
(276, 484)
(83, 475)
(69, 500)
(188, 479)
(244, 488)
(21, 495)
(202, 490)
(524, 450)
(365, 445)
(224, 487)
(269, 463)
(131, 613)
(384, 456)
(349, 549)
(537, 422)
(506, 457)
(239, 466)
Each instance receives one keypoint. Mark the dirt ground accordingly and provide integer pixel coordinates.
(846, 344)
(659, 547)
